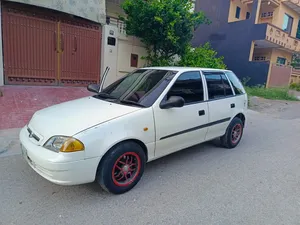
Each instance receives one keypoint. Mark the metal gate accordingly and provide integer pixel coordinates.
(49, 50)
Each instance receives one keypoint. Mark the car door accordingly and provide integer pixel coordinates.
(178, 128)
(221, 103)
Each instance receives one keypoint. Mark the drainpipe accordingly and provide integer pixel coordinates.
(1, 52)
(257, 11)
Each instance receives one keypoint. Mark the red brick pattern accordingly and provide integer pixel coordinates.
(19, 103)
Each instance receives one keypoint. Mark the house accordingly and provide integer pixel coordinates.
(256, 37)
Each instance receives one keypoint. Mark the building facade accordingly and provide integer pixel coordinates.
(122, 53)
(256, 37)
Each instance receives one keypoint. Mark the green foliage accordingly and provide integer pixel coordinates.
(165, 27)
(270, 93)
(295, 86)
(203, 56)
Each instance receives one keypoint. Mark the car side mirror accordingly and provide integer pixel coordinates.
(93, 88)
(173, 102)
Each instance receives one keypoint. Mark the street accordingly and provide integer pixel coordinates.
(256, 183)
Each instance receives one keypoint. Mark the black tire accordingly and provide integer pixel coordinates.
(111, 171)
(229, 140)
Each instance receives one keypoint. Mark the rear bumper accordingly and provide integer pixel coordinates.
(55, 167)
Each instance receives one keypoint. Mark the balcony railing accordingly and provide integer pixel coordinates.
(281, 38)
(120, 24)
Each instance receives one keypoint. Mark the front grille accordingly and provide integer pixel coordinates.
(32, 135)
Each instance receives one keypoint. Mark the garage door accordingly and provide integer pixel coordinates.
(40, 50)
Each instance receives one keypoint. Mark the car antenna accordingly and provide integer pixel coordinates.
(104, 78)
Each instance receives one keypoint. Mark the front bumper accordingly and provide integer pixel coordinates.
(58, 168)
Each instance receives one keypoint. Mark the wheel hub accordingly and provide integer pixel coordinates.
(126, 168)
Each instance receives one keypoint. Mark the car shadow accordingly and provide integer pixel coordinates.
(193, 155)
(169, 162)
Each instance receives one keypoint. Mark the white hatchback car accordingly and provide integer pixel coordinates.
(150, 113)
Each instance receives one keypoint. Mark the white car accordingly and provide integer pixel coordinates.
(150, 113)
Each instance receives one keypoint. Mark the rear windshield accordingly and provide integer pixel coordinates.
(236, 83)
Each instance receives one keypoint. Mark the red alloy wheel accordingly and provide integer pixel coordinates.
(236, 133)
(126, 169)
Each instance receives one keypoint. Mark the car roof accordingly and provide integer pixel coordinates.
(182, 69)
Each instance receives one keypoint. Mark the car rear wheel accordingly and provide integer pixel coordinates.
(233, 134)
(121, 168)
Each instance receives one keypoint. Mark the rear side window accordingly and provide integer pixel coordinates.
(188, 86)
(218, 85)
(227, 87)
(236, 84)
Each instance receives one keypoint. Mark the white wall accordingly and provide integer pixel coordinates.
(126, 47)
(109, 54)
(118, 57)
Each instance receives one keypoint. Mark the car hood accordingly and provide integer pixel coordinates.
(75, 116)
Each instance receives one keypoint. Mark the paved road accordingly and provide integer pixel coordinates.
(256, 183)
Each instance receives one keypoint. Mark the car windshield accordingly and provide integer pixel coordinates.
(139, 88)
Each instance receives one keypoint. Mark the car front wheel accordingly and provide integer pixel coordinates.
(233, 134)
(121, 168)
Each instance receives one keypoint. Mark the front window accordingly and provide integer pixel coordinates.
(141, 87)
(188, 86)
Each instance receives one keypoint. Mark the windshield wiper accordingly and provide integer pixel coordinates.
(128, 102)
(105, 95)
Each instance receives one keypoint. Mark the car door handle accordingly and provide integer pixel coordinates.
(232, 105)
(201, 113)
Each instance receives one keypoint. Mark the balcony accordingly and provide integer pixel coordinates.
(282, 39)
(275, 2)
(293, 4)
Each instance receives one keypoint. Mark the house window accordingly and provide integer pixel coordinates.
(298, 30)
(247, 15)
(281, 60)
(266, 14)
(134, 60)
(287, 23)
(237, 12)
(259, 58)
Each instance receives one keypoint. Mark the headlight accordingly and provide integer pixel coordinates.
(64, 144)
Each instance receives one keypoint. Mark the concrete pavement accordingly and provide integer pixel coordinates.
(255, 184)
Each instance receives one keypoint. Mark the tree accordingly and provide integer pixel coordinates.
(165, 26)
(203, 56)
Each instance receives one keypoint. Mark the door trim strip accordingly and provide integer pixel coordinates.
(197, 128)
